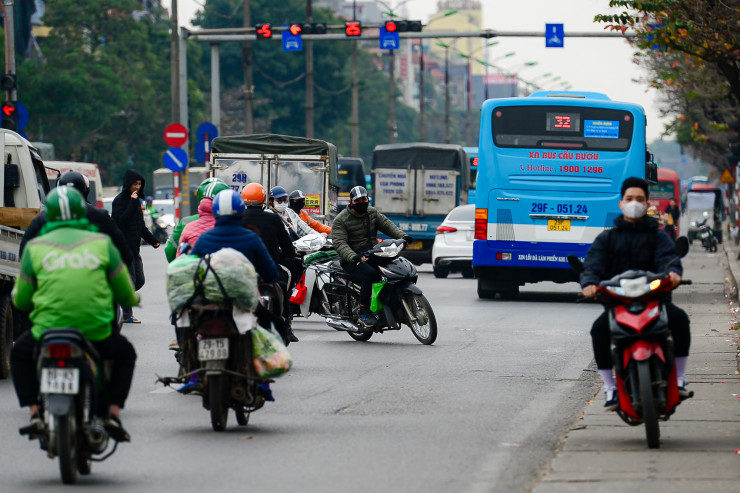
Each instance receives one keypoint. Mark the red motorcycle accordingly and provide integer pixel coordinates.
(642, 346)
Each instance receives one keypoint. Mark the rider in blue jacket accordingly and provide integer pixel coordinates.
(230, 233)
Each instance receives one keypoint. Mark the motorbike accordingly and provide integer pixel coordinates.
(642, 345)
(333, 294)
(707, 236)
(72, 380)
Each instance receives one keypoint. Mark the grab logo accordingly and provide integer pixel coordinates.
(56, 260)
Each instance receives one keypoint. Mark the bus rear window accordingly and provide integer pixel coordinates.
(663, 190)
(562, 127)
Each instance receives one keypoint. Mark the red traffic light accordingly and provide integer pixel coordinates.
(353, 28)
(9, 109)
(295, 29)
(390, 27)
(263, 31)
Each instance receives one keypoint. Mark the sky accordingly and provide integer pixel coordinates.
(589, 64)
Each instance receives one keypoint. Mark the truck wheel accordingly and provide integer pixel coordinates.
(6, 335)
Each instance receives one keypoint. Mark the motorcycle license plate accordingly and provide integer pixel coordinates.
(415, 245)
(705, 235)
(213, 349)
(60, 380)
(558, 224)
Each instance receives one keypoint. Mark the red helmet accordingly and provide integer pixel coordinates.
(254, 194)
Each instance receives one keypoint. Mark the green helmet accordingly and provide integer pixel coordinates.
(65, 204)
(210, 188)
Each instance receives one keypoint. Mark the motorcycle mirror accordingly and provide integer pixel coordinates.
(575, 263)
(682, 246)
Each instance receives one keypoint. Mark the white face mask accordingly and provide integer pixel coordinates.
(281, 206)
(634, 209)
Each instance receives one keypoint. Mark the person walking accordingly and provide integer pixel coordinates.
(130, 220)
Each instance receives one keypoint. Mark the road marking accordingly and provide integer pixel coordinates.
(163, 390)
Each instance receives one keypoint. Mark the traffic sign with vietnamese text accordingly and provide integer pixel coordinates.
(175, 135)
(389, 40)
(554, 36)
(175, 159)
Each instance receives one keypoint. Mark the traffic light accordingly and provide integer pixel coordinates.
(353, 28)
(295, 29)
(8, 82)
(263, 31)
(314, 28)
(734, 140)
(10, 115)
(403, 26)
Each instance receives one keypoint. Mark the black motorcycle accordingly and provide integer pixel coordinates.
(707, 236)
(335, 295)
(72, 380)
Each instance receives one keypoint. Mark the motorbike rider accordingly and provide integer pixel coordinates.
(205, 189)
(278, 202)
(206, 220)
(70, 262)
(635, 242)
(296, 202)
(354, 231)
(274, 235)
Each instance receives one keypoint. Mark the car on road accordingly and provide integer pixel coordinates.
(452, 250)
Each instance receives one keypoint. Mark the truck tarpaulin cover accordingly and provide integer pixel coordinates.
(271, 144)
(423, 155)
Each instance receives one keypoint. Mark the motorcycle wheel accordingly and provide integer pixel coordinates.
(66, 447)
(361, 336)
(216, 398)
(242, 418)
(649, 414)
(84, 464)
(423, 323)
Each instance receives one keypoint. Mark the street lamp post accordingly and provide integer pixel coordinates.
(469, 89)
(447, 90)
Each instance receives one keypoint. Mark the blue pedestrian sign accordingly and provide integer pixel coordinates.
(22, 115)
(175, 159)
(292, 42)
(554, 35)
(389, 41)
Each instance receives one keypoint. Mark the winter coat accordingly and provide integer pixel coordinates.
(640, 245)
(170, 249)
(229, 233)
(353, 234)
(205, 222)
(314, 224)
(128, 215)
(271, 229)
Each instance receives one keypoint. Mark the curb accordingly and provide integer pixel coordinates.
(730, 290)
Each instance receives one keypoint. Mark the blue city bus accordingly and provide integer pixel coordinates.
(472, 153)
(549, 178)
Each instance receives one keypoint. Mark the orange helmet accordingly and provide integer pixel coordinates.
(254, 194)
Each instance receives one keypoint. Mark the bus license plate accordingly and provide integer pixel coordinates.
(415, 245)
(558, 224)
(213, 349)
(60, 380)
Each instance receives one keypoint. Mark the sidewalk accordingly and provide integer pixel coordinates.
(699, 444)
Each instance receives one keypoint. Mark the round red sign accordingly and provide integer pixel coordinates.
(175, 135)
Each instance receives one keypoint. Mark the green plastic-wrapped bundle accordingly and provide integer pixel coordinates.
(180, 280)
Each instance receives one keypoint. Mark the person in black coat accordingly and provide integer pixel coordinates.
(635, 242)
(129, 217)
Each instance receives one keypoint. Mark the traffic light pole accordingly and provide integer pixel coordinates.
(309, 75)
(248, 58)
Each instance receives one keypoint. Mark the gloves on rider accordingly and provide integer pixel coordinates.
(407, 239)
(357, 257)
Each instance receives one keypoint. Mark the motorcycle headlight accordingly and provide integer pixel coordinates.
(634, 288)
(390, 250)
(693, 224)
(162, 222)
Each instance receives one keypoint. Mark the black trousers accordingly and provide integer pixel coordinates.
(678, 321)
(295, 267)
(366, 274)
(136, 271)
(116, 348)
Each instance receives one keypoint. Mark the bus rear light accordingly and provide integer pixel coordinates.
(503, 255)
(481, 224)
(446, 229)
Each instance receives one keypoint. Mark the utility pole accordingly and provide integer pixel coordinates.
(247, 59)
(355, 116)
(392, 98)
(175, 64)
(422, 133)
(309, 76)
(448, 138)
(468, 103)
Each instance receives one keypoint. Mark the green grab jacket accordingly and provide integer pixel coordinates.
(70, 278)
(170, 249)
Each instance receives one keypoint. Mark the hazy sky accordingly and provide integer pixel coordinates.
(589, 64)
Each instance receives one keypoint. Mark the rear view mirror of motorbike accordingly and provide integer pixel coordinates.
(682, 246)
(575, 263)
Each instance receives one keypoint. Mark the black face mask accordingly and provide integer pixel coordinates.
(297, 205)
(360, 207)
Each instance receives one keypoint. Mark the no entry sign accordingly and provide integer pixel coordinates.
(175, 135)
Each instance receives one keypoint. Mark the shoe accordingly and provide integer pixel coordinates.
(115, 429)
(612, 400)
(367, 318)
(174, 346)
(190, 387)
(35, 429)
(684, 394)
(291, 336)
(132, 320)
(264, 390)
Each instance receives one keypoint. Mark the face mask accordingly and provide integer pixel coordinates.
(360, 207)
(634, 209)
(281, 206)
(297, 206)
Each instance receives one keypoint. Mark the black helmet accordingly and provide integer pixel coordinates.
(76, 180)
(357, 192)
(296, 195)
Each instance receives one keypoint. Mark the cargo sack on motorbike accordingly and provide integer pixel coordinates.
(375, 304)
(237, 276)
(181, 275)
(271, 357)
(299, 292)
(319, 257)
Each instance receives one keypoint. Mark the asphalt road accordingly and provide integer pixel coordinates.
(483, 409)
